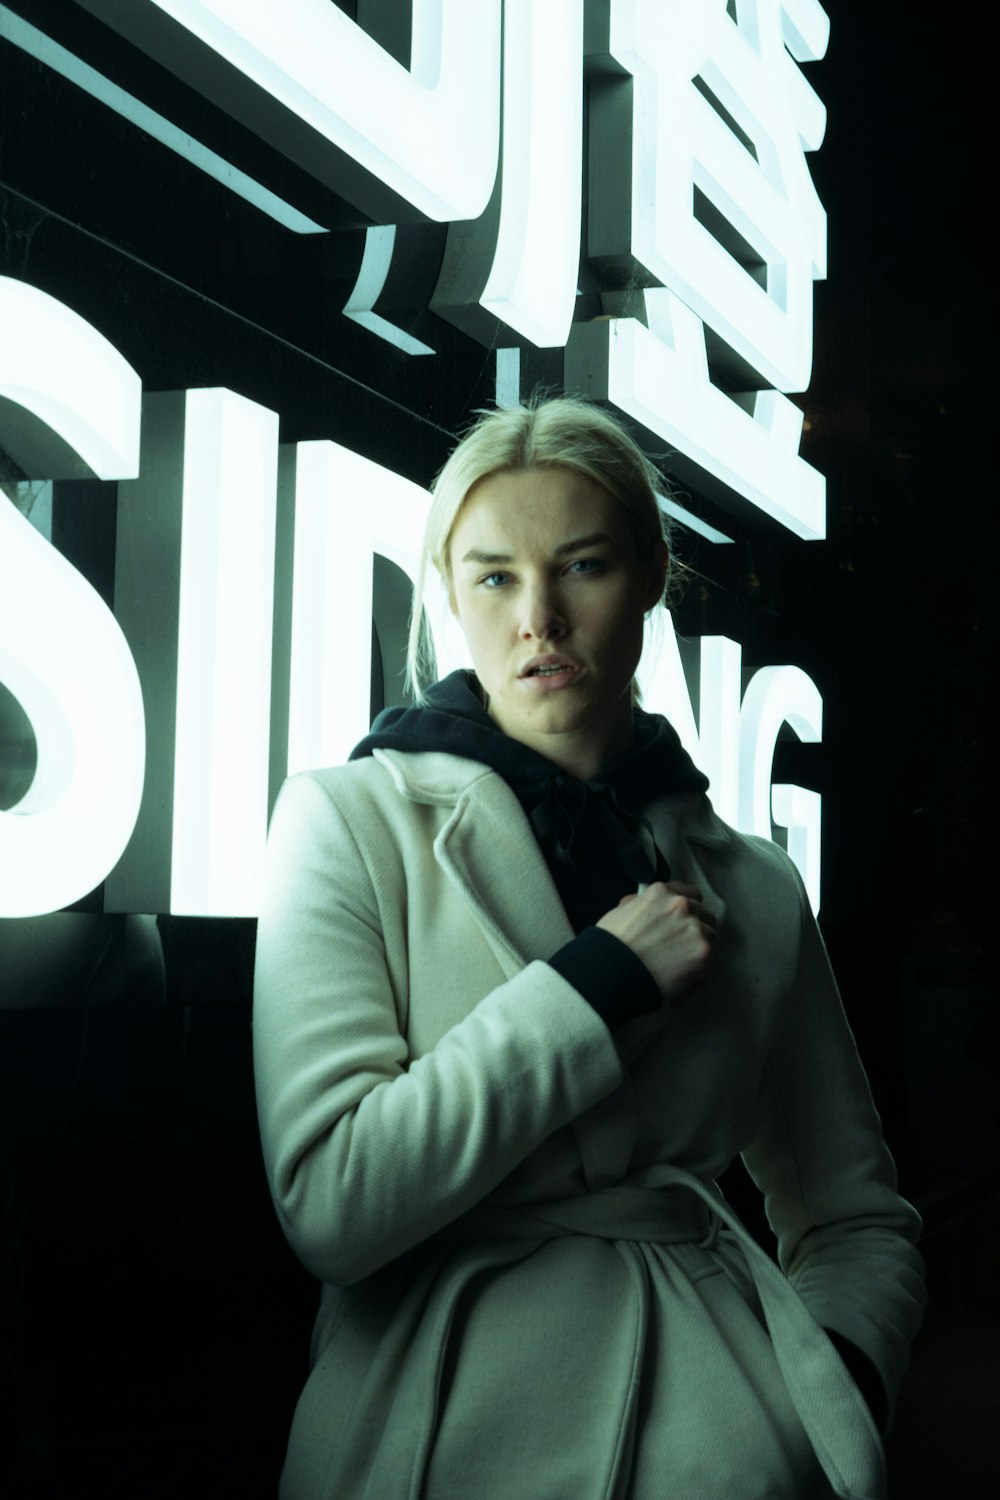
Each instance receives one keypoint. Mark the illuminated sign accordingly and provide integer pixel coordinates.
(703, 225)
(243, 568)
(199, 524)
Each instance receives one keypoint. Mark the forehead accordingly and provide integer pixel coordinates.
(535, 508)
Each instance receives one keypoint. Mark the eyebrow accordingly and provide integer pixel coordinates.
(592, 539)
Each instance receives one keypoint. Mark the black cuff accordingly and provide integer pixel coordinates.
(608, 975)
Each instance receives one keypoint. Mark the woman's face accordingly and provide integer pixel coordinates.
(544, 574)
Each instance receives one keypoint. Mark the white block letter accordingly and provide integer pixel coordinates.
(62, 655)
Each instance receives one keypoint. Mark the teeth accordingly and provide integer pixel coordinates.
(545, 671)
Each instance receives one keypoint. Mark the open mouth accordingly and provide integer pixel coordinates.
(552, 675)
(549, 664)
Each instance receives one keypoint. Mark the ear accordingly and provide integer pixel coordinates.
(658, 570)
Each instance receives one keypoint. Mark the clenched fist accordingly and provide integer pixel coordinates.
(669, 929)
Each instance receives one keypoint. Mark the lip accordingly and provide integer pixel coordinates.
(552, 682)
(547, 659)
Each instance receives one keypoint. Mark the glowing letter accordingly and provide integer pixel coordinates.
(713, 740)
(532, 284)
(700, 190)
(316, 87)
(62, 654)
(380, 242)
(800, 811)
(194, 577)
(531, 231)
(346, 508)
(777, 696)
(734, 745)
(746, 460)
(722, 116)
(224, 654)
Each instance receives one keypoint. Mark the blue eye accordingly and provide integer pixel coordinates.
(584, 567)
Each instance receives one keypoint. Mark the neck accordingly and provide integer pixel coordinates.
(582, 753)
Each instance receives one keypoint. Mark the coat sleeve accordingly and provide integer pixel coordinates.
(367, 1151)
(846, 1239)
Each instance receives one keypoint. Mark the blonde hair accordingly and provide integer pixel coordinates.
(563, 432)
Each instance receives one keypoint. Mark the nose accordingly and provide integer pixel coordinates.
(543, 615)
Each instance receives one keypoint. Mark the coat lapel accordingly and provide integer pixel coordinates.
(489, 853)
(685, 827)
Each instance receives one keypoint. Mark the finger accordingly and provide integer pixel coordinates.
(690, 908)
(711, 937)
(681, 888)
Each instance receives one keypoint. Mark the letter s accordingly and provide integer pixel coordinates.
(65, 392)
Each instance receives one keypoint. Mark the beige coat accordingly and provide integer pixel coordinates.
(525, 1297)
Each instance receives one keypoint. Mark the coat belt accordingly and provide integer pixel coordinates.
(670, 1216)
(673, 1207)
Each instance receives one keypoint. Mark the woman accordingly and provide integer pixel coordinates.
(520, 998)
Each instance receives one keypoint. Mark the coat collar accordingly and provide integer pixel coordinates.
(432, 776)
(488, 850)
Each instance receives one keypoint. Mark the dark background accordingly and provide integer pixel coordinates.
(153, 1324)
